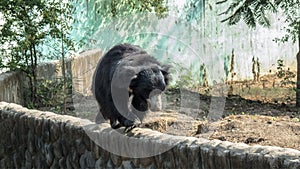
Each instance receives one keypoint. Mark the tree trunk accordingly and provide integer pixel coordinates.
(298, 81)
(298, 72)
(31, 75)
(34, 74)
(63, 73)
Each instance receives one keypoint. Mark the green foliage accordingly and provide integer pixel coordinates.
(292, 17)
(255, 12)
(28, 28)
(203, 76)
(117, 8)
(252, 12)
(286, 76)
(280, 72)
(101, 14)
(229, 61)
(187, 78)
(50, 94)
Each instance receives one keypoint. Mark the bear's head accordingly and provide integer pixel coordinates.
(149, 81)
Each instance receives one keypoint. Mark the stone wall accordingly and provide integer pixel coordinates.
(80, 69)
(36, 139)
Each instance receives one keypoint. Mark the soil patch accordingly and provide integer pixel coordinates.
(255, 113)
(281, 131)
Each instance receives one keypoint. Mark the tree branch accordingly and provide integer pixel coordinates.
(220, 2)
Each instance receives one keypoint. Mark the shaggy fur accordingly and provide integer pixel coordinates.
(127, 70)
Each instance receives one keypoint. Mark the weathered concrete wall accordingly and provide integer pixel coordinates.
(11, 87)
(35, 139)
(80, 69)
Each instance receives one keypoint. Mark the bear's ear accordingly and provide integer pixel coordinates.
(165, 69)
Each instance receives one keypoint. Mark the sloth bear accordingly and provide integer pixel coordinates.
(127, 71)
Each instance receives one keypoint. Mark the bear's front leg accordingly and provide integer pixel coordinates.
(128, 124)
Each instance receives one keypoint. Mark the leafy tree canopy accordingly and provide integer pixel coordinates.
(28, 27)
(254, 12)
(27, 24)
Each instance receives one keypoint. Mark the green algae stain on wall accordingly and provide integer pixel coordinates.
(190, 35)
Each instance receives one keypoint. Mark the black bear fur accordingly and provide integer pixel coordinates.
(127, 70)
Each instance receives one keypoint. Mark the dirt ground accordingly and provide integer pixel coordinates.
(261, 113)
(282, 131)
